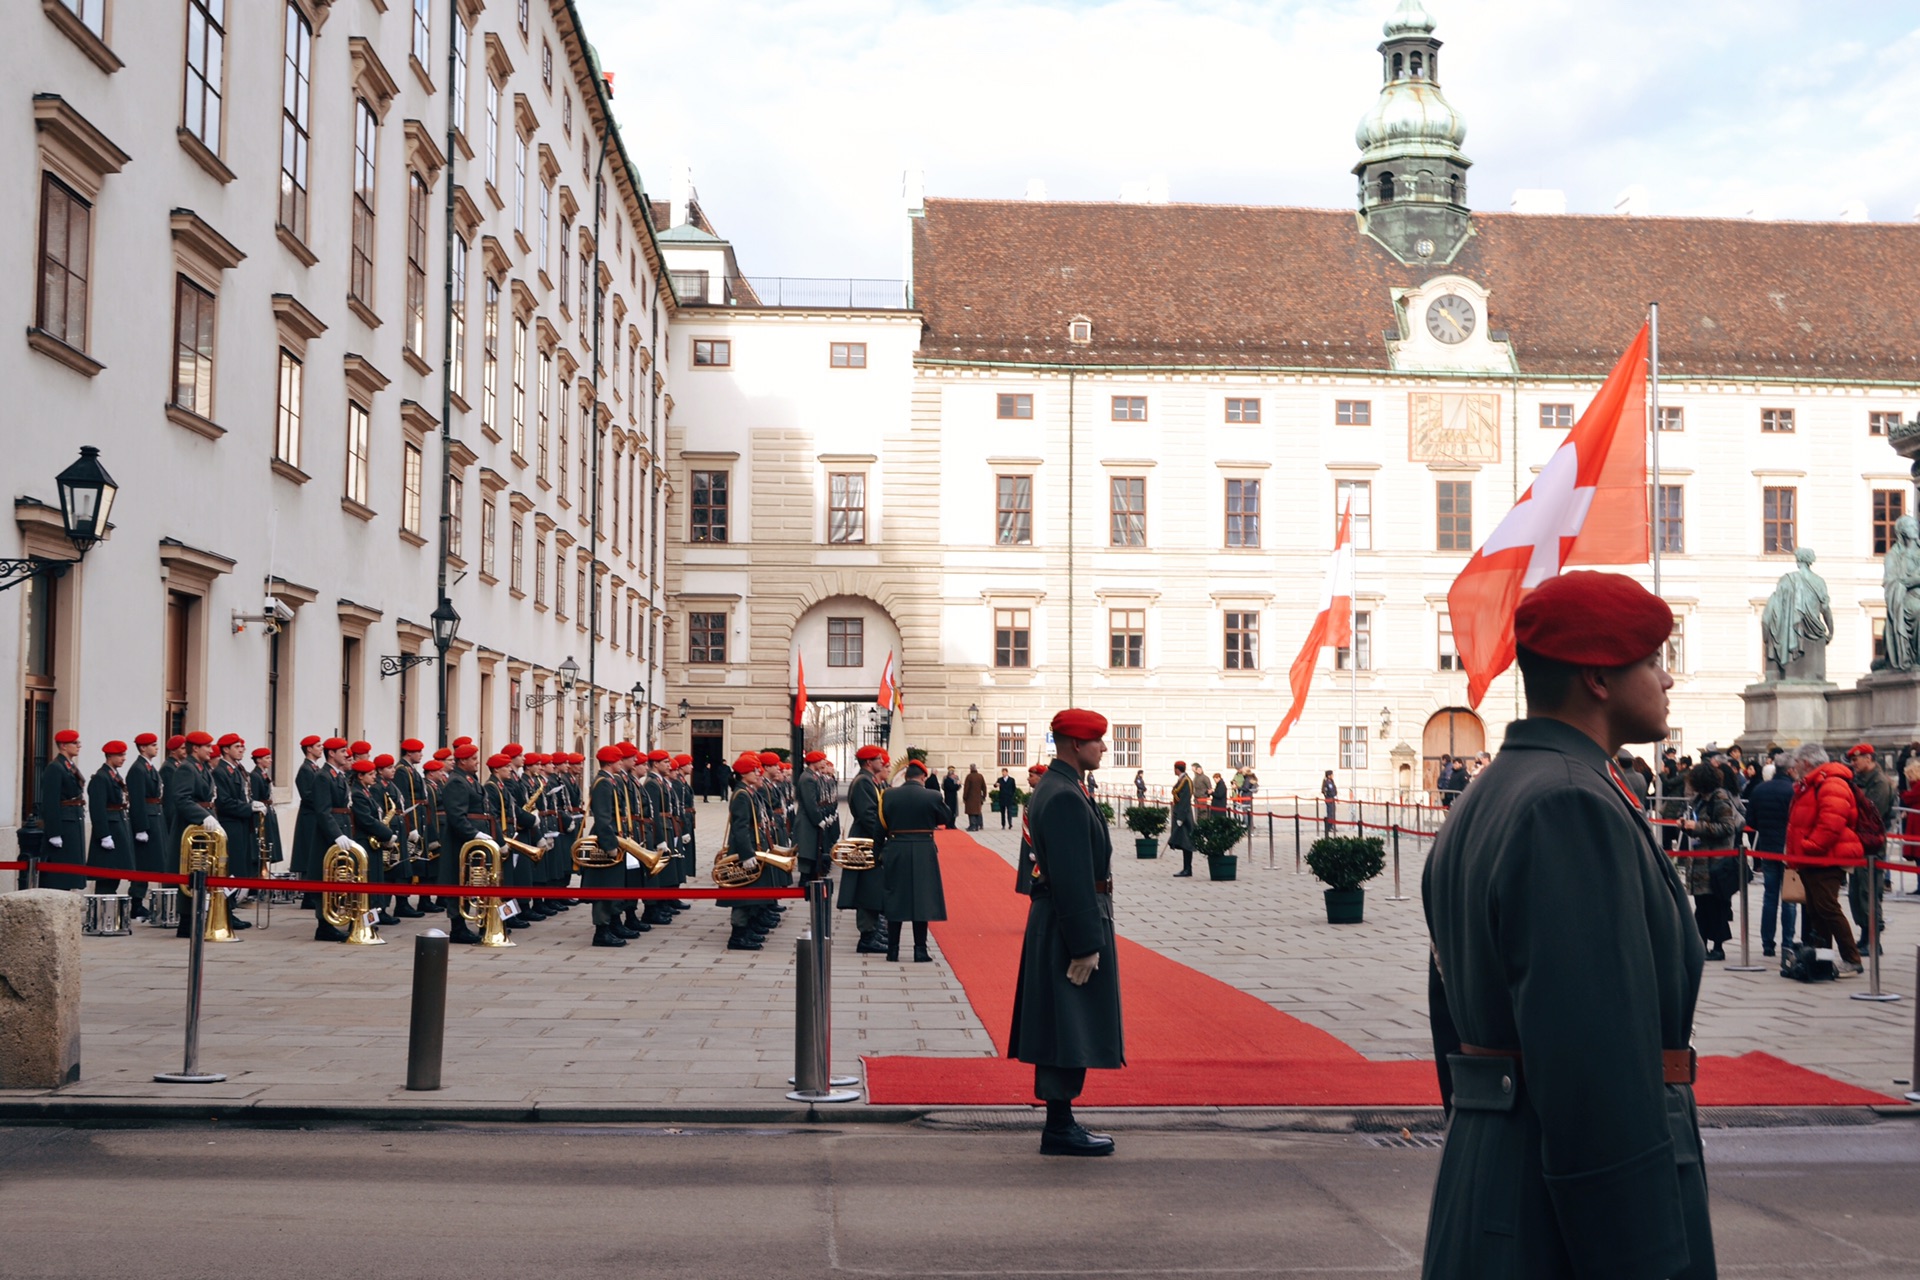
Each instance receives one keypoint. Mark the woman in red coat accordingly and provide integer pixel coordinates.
(1820, 825)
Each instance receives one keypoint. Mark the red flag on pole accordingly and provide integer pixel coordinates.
(1333, 625)
(1587, 506)
(884, 699)
(800, 698)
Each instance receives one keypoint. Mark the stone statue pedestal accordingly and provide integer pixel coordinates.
(1882, 708)
(1785, 713)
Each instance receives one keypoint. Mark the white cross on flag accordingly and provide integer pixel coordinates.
(1333, 625)
(1588, 506)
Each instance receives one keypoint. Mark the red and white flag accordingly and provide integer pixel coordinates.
(1333, 625)
(1587, 506)
(800, 698)
(886, 697)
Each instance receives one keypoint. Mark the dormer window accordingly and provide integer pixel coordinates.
(1080, 331)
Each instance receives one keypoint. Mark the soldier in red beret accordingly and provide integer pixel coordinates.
(864, 892)
(1567, 970)
(416, 822)
(112, 847)
(233, 806)
(266, 819)
(817, 823)
(1066, 1006)
(463, 819)
(333, 828)
(146, 818)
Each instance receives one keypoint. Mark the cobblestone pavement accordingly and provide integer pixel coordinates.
(674, 1019)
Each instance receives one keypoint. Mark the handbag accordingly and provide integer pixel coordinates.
(1792, 887)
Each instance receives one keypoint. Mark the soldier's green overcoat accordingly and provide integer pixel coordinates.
(865, 890)
(911, 869)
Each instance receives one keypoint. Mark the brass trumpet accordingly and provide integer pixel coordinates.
(854, 854)
(480, 861)
(204, 850)
(650, 859)
(345, 910)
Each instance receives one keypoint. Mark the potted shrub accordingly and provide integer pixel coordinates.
(1343, 864)
(1146, 821)
(1106, 811)
(1215, 835)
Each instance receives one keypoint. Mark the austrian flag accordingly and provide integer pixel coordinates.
(1587, 506)
(1333, 625)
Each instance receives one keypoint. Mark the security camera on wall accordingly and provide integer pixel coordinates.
(277, 611)
(273, 617)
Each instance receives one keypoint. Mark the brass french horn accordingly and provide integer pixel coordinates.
(854, 854)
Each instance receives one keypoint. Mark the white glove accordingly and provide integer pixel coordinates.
(212, 826)
(53, 842)
(546, 841)
(632, 863)
(139, 837)
(661, 847)
(259, 806)
(343, 844)
(1080, 968)
(106, 842)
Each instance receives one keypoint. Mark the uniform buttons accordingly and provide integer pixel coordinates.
(1506, 1084)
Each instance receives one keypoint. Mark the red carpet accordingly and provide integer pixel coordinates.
(1195, 1041)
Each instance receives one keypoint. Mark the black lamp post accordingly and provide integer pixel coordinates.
(569, 672)
(446, 626)
(86, 499)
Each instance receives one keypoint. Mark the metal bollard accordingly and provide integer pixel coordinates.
(1746, 964)
(190, 1072)
(1396, 896)
(820, 904)
(1914, 1079)
(1873, 991)
(809, 1032)
(427, 1028)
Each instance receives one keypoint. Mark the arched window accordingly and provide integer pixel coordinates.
(1386, 186)
(1417, 67)
(1433, 66)
(1453, 189)
(1396, 66)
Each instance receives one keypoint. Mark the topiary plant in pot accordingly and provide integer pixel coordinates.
(1146, 821)
(1343, 864)
(1215, 835)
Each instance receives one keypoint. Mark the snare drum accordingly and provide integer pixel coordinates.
(109, 915)
(163, 908)
(283, 897)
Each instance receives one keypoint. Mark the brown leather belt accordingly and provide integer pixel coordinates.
(914, 831)
(1045, 890)
(116, 808)
(74, 804)
(339, 811)
(1677, 1066)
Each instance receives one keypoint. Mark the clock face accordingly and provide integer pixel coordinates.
(1450, 318)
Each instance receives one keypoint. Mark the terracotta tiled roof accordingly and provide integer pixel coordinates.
(1261, 287)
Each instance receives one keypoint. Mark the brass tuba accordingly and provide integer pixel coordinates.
(854, 854)
(204, 850)
(480, 869)
(344, 910)
(728, 874)
(587, 853)
(390, 851)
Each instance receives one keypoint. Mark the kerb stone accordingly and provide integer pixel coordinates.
(40, 988)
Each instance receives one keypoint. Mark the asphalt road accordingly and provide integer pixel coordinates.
(869, 1200)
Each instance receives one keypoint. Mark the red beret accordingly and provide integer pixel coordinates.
(656, 756)
(465, 751)
(628, 751)
(1860, 749)
(608, 754)
(497, 761)
(1179, 764)
(1083, 726)
(261, 753)
(574, 757)
(199, 738)
(360, 749)
(682, 761)
(462, 741)
(145, 740)
(363, 766)
(815, 757)
(383, 761)
(748, 763)
(868, 752)
(434, 766)
(512, 749)
(67, 735)
(1588, 619)
(413, 744)
(916, 767)
(176, 742)
(334, 744)
(311, 740)
(1035, 767)
(442, 753)
(114, 748)
(228, 739)
(534, 757)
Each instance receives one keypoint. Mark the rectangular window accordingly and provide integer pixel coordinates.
(1778, 506)
(1243, 410)
(1126, 745)
(1353, 413)
(66, 242)
(708, 520)
(560, 480)
(193, 348)
(1880, 424)
(546, 64)
(1888, 505)
(520, 145)
(1776, 421)
(457, 321)
(1556, 416)
(206, 56)
(585, 466)
(1012, 630)
(93, 16)
(1670, 519)
(560, 582)
(1017, 407)
(1011, 744)
(847, 355)
(1360, 494)
(540, 571)
(490, 360)
(1242, 632)
(846, 642)
(846, 507)
(1127, 638)
(1013, 510)
(1674, 654)
(1239, 746)
(1453, 508)
(460, 38)
(1673, 418)
(580, 596)
(296, 121)
(517, 550)
(359, 433)
(493, 132)
(456, 520)
(586, 272)
(1129, 408)
(416, 264)
(1127, 511)
(1243, 513)
(1449, 653)
(286, 436)
(566, 127)
(366, 134)
(546, 226)
(523, 17)
(488, 520)
(518, 421)
(411, 473)
(1362, 643)
(1353, 746)
(712, 353)
(543, 424)
(422, 31)
(706, 637)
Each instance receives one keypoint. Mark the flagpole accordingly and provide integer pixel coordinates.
(1353, 667)
(1653, 383)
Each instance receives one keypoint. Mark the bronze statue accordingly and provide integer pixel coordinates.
(1798, 622)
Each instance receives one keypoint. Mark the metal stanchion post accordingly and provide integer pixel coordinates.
(427, 1028)
(1396, 896)
(1914, 1079)
(1746, 964)
(190, 1072)
(30, 879)
(820, 906)
(1269, 839)
(1296, 835)
(1873, 991)
(809, 1032)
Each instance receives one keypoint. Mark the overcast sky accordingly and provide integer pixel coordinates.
(798, 119)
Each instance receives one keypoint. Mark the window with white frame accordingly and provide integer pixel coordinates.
(206, 62)
(359, 442)
(296, 121)
(488, 521)
(1239, 746)
(286, 436)
(1673, 654)
(518, 422)
(1343, 656)
(366, 138)
(1360, 494)
(1126, 746)
(416, 333)
(1449, 654)
(516, 556)
(457, 320)
(1353, 746)
(1010, 741)
(412, 471)
(423, 31)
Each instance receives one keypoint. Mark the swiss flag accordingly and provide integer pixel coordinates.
(1333, 625)
(800, 698)
(1587, 506)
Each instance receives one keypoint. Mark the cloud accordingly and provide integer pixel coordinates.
(798, 119)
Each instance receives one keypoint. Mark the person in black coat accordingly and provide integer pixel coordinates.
(1180, 820)
(864, 892)
(112, 847)
(1006, 798)
(1768, 802)
(61, 802)
(260, 786)
(911, 873)
(950, 794)
(1066, 1006)
(146, 806)
(1023, 868)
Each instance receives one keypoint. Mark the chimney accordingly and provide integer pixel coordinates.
(679, 194)
(1036, 188)
(913, 190)
(1632, 202)
(1539, 200)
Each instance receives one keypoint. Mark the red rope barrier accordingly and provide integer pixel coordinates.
(377, 888)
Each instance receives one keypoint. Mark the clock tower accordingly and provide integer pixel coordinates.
(1413, 177)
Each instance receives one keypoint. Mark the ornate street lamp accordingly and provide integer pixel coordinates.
(86, 499)
(973, 717)
(569, 672)
(446, 625)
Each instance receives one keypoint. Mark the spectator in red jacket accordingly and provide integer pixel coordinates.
(1820, 825)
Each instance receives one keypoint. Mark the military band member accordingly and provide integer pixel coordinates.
(463, 818)
(909, 815)
(193, 805)
(112, 847)
(62, 805)
(818, 819)
(1023, 870)
(864, 892)
(603, 800)
(171, 788)
(332, 826)
(689, 858)
(260, 785)
(658, 824)
(416, 823)
(310, 786)
(146, 809)
(1568, 965)
(1066, 1006)
(366, 804)
(746, 836)
(233, 806)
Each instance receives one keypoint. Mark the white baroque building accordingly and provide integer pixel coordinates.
(343, 291)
